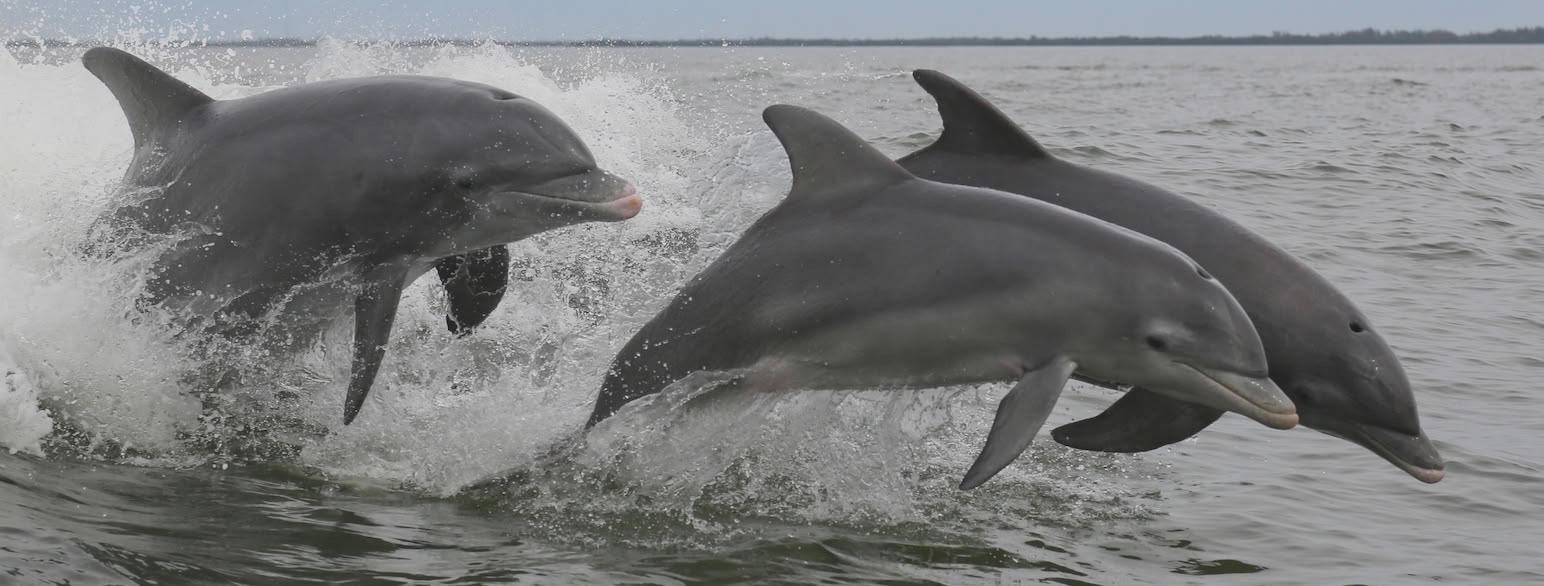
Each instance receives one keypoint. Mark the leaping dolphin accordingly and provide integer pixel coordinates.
(868, 277)
(354, 187)
(1323, 351)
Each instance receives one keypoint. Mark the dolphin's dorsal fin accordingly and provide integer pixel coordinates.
(971, 123)
(150, 98)
(826, 157)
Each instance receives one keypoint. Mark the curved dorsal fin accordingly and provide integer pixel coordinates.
(150, 98)
(971, 123)
(826, 157)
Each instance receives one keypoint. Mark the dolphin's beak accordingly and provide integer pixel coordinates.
(1412, 453)
(598, 194)
(1255, 397)
(626, 204)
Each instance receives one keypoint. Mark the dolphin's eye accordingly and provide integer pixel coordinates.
(1203, 273)
(1156, 343)
(1357, 327)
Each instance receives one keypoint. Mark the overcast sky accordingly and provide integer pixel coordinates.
(674, 19)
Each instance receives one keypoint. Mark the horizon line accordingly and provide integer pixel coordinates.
(1365, 36)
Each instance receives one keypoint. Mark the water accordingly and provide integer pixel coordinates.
(1409, 176)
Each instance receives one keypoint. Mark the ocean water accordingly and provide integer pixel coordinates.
(1410, 176)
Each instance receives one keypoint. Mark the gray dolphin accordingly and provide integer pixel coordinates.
(346, 190)
(868, 277)
(1341, 375)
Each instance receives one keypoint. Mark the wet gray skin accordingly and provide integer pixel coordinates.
(355, 186)
(868, 277)
(1323, 352)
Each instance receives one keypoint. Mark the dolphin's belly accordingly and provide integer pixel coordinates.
(973, 340)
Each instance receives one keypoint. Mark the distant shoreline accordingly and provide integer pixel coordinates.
(1518, 36)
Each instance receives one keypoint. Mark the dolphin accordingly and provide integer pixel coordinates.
(346, 191)
(1323, 351)
(865, 276)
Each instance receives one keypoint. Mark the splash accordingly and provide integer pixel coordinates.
(91, 376)
(63, 330)
(110, 378)
(700, 466)
(23, 425)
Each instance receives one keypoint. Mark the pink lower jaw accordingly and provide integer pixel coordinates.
(626, 206)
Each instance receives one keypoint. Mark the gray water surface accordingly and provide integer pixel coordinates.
(1411, 177)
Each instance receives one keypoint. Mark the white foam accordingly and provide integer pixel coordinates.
(62, 330)
(23, 423)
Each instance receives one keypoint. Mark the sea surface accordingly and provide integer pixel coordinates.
(1411, 177)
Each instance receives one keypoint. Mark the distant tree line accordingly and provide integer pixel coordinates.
(1367, 36)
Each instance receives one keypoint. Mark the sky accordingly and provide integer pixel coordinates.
(729, 19)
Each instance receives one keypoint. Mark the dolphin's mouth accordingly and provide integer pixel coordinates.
(625, 205)
(600, 195)
(1413, 454)
(1255, 397)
